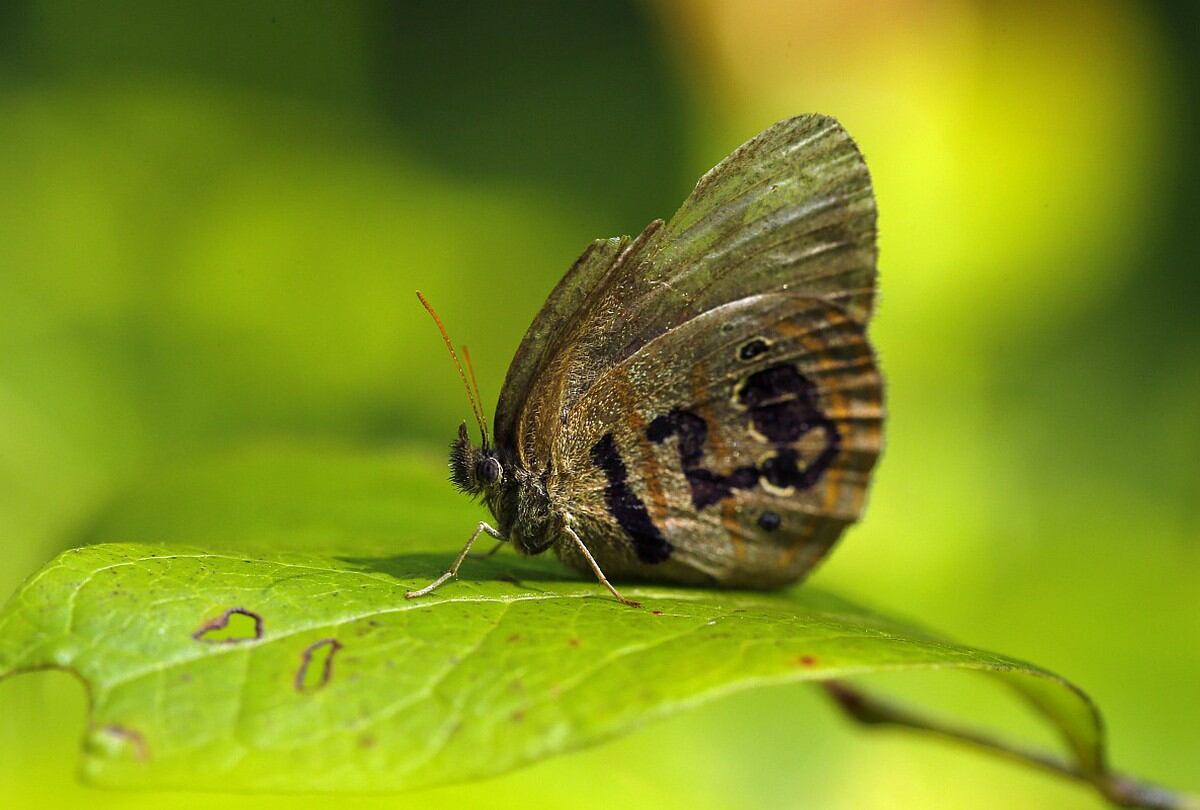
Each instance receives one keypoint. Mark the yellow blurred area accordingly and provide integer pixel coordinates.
(1014, 147)
(215, 215)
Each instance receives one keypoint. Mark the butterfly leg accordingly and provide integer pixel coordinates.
(587, 555)
(462, 555)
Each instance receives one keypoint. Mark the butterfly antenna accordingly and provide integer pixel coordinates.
(472, 396)
(474, 383)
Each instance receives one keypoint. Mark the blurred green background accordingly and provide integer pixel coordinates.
(214, 214)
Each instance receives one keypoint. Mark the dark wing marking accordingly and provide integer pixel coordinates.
(749, 463)
(625, 507)
(792, 209)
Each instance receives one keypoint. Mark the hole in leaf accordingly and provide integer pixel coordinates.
(316, 665)
(117, 739)
(231, 627)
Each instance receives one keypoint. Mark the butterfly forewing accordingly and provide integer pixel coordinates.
(792, 209)
(733, 448)
(543, 341)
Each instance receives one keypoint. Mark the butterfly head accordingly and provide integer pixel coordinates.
(473, 469)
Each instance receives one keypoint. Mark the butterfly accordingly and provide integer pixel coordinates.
(700, 403)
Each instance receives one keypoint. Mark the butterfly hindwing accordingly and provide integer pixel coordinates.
(733, 448)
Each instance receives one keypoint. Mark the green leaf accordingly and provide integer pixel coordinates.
(210, 667)
(332, 680)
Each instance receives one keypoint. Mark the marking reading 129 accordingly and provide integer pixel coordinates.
(783, 408)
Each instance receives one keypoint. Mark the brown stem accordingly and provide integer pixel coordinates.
(1121, 791)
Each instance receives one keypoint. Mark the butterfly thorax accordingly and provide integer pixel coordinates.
(516, 496)
(523, 510)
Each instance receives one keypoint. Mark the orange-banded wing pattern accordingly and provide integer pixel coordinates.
(734, 448)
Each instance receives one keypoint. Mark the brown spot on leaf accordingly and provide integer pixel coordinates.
(656, 613)
(514, 637)
(806, 661)
(366, 741)
(572, 642)
(229, 629)
(316, 665)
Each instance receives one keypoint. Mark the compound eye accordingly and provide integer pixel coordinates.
(490, 470)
